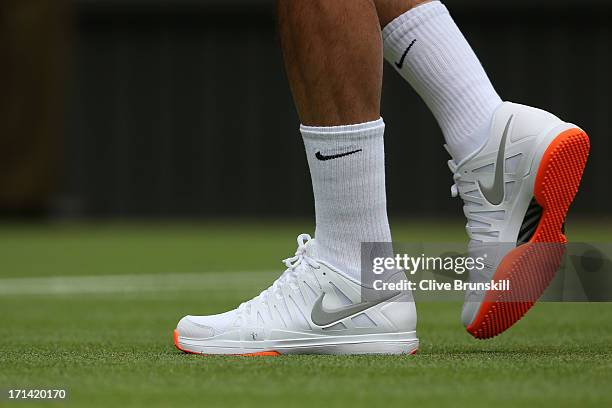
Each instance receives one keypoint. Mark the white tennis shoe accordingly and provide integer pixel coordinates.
(312, 308)
(517, 191)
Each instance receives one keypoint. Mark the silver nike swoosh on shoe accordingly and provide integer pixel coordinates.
(496, 192)
(322, 317)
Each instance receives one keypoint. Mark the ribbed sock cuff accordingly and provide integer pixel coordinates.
(415, 17)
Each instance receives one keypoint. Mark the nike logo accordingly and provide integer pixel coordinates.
(322, 317)
(495, 193)
(399, 64)
(322, 157)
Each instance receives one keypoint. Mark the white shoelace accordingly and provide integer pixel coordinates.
(300, 255)
(456, 177)
(456, 193)
(289, 276)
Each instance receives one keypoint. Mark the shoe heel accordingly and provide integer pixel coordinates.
(557, 182)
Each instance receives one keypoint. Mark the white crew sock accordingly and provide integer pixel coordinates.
(442, 67)
(349, 191)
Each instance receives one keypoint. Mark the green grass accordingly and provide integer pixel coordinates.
(113, 346)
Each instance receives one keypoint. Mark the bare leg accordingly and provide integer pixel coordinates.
(333, 57)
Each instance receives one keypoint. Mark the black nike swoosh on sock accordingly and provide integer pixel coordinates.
(399, 64)
(322, 157)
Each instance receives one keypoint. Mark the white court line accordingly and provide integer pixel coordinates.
(65, 285)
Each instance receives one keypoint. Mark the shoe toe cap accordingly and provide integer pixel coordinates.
(190, 327)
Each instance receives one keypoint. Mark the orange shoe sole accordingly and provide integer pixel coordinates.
(531, 267)
(258, 354)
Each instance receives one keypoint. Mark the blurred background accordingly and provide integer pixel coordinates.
(168, 109)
